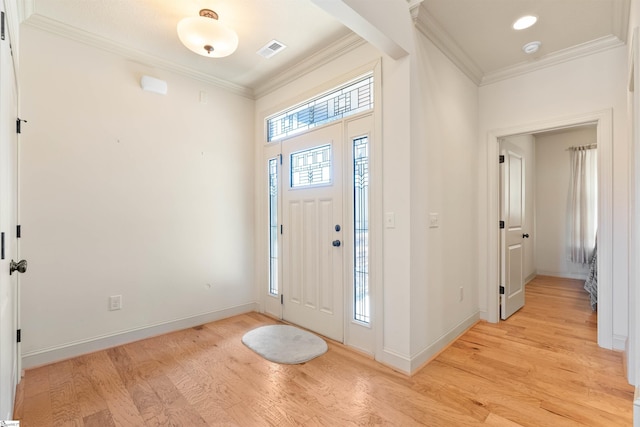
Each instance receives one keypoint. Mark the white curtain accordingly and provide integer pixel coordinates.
(583, 203)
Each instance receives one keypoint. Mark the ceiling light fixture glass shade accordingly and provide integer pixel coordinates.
(206, 36)
(524, 22)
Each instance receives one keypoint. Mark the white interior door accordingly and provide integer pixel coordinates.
(8, 228)
(312, 262)
(512, 235)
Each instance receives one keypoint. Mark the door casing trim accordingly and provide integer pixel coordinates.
(603, 120)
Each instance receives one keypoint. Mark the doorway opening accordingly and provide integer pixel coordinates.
(346, 105)
(548, 202)
(603, 122)
(318, 221)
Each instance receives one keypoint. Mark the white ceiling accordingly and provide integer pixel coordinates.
(478, 34)
(475, 34)
(146, 30)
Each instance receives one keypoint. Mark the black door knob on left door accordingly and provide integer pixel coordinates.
(20, 266)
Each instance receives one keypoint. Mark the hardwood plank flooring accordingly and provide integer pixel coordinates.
(542, 367)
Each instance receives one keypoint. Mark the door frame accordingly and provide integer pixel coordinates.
(603, 120)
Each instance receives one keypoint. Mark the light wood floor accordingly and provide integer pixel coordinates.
(542, 367)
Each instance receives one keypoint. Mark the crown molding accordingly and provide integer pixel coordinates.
(414, 8)
(556, 58)
(621, 10)
(344, 45)
(72, 33)
(432, 29)
(340, 47)
(26, 8)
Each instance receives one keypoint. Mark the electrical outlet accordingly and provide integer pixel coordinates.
(461, 293)
(115, 302)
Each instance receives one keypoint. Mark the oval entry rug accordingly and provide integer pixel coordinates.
(284, 344)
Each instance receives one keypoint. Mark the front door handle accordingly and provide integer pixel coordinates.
(336, 243)
(20, 266)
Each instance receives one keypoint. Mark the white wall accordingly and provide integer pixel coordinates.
(443, 177)
(585, 85)
(126, 192)
(153, 198)
(552, 177)
(526, 145)
(631, 351)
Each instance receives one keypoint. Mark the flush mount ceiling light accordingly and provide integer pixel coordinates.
(524, 22)
(206, 36)
(531, 47)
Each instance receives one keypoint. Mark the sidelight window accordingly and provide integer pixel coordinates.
(273, 226)
(361, 309)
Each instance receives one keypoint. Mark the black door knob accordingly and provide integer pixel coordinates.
(336, 243)
(526, 235)
(20, 266)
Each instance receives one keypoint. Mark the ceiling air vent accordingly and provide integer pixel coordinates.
(271, 48)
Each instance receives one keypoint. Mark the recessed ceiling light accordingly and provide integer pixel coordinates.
(524, 22)
(531, 47)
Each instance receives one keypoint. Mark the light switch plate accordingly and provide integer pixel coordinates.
(434, 220)
(390, 220)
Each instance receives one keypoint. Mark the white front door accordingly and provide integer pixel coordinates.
(8, 230)
(312, 261)
(512, 235)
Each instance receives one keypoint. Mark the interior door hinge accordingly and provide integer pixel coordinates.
(2, 27)
(501, 290)
(501, 225)
(501, 158)
(18, 231)
(281, 228)
(19, 125)
(2, 245)
(19, 335)
(281, 299)
(280, 158)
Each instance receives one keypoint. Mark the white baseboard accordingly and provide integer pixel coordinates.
(66, 351)
(578, 276)
(636, 408)
(619, 342)
(410, 364)
(395, 361)
(484, 315)
(530, 277)
(427, 353)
